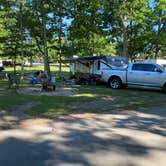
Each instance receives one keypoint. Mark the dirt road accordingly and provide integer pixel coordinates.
(128, 138)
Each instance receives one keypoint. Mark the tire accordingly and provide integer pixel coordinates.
(164, 88)
(115, 83)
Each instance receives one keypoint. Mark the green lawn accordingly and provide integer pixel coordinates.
(83, 100)
(29, 72)
(35, 68)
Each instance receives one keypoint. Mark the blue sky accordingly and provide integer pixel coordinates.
(151, 3)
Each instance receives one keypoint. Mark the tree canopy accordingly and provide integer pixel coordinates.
(55, 29)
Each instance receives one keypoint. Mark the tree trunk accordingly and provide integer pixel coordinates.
(125, 44)
(158, 34)
(14, 65)
(46, 60)
(21, 38)
(31, 61)
(60, 44)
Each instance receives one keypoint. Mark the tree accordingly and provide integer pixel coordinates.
(159, 28)
(13, 42)
(124, 20)
(81, 27)
(86, 24)
(58, 26)
(38, 28)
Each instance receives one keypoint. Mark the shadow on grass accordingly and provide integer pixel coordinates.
(76, 142)
(94, 99)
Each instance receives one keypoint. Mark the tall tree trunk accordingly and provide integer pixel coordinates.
(125, 44)
(158, 34)
(14, 65)
(46, 60)
(92, 46)
(21, 38)
(31, 61)
(60, 44)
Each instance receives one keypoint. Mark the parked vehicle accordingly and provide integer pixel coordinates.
(89, 68)
(138, 74)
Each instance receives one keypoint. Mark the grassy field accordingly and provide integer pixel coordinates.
(35, 68)
(29, 72)
(96, 99)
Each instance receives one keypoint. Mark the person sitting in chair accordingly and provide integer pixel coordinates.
(35, 80)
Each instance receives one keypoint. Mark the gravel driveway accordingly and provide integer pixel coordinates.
(128, 138)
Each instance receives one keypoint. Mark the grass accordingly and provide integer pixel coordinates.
(130, 99)
(29, 72)
(35, 68)
(59, 105)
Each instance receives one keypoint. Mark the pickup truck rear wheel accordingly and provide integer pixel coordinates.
(115, 83)
(164, 88)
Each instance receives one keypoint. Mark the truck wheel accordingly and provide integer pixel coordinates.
(164, 88)
(115, 83)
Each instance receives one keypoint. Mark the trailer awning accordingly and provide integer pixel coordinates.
(83, 58)
(113, 61)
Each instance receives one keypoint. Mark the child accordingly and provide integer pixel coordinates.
(53, 83)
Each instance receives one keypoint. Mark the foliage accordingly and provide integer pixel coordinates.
(53, 30)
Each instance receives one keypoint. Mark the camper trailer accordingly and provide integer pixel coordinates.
(91, 67)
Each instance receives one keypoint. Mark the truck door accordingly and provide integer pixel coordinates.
(145, 75)
(135, 76)
(153, 78)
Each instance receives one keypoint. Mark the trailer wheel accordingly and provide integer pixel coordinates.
(115, 83)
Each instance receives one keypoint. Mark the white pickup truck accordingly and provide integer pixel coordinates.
(138, 74)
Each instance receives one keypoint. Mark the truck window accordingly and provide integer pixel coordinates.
(164, 67)
(144, 67)
(149, 67)
(138, 67)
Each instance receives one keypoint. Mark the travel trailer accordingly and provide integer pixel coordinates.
(82, 68)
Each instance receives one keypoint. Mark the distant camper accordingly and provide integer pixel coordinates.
(1, 64)
(6, 63)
